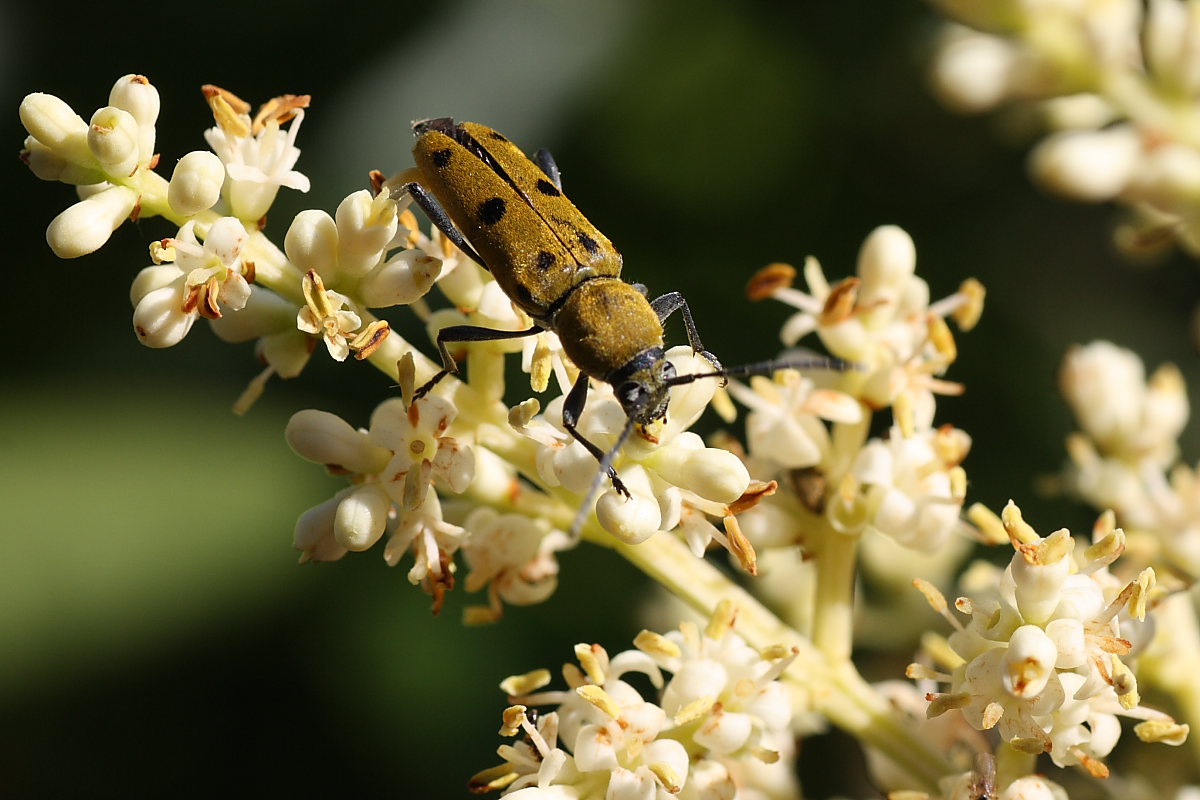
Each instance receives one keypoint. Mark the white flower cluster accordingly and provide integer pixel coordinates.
(393, 467)
(1043, 658)
(908, 486)
(1125, 456)
(721, 708)
(1118, 84)
(219, 264)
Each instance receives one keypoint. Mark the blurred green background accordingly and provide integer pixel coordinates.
(156, 635)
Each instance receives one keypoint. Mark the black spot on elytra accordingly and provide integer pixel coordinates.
(498, 136)
(545, 260)
(588, 243)
(547, 188)
(440, 158)
(492, 210)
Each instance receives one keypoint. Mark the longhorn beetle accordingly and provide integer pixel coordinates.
(509, 215)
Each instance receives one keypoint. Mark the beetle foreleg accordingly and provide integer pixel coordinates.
(437, 215)
(572, 411)
(465, 333)
(667, 305)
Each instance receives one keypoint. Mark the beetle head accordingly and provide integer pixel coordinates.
(643, 385)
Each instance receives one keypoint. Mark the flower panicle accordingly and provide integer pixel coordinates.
(719, 705)
(1045, 657)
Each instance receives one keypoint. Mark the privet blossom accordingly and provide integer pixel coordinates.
(840, 464)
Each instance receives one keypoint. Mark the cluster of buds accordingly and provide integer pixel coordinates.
(715, 728)
(1045, 657)
(1117, 83)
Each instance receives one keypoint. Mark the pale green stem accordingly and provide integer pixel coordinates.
(1011, 764)
(836, 554)
(837, 690)
(836, 557)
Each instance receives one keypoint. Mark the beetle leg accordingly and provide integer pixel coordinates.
(465, 333)
(437, 215)
(546, 161)
(667, 305)
(572, 410)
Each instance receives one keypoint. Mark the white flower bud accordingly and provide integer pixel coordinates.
(1090, 166)
(1029, 662)
(113, 139)
(196, 183)
(135, 94)
(152, 278)
(85, 227)
(56, 125)
(325, 438)
(361, 517)
(714, 474)
(314, 531)
(631, 520)
(402, 279)
(887, 259)
(50, 165)
(973, 71)
(159, 319)
(311, 242)
(365, 226)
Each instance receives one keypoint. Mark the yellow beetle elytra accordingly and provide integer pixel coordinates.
(509, 214)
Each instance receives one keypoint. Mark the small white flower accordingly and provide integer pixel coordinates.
(418, 434)
(203, 280)
(328, 314)
(258, 155)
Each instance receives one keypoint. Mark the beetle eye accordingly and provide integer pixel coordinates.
(631, 394)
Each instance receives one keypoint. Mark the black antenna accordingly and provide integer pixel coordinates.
(766, 368)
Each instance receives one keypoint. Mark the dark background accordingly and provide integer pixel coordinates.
(155, 633)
